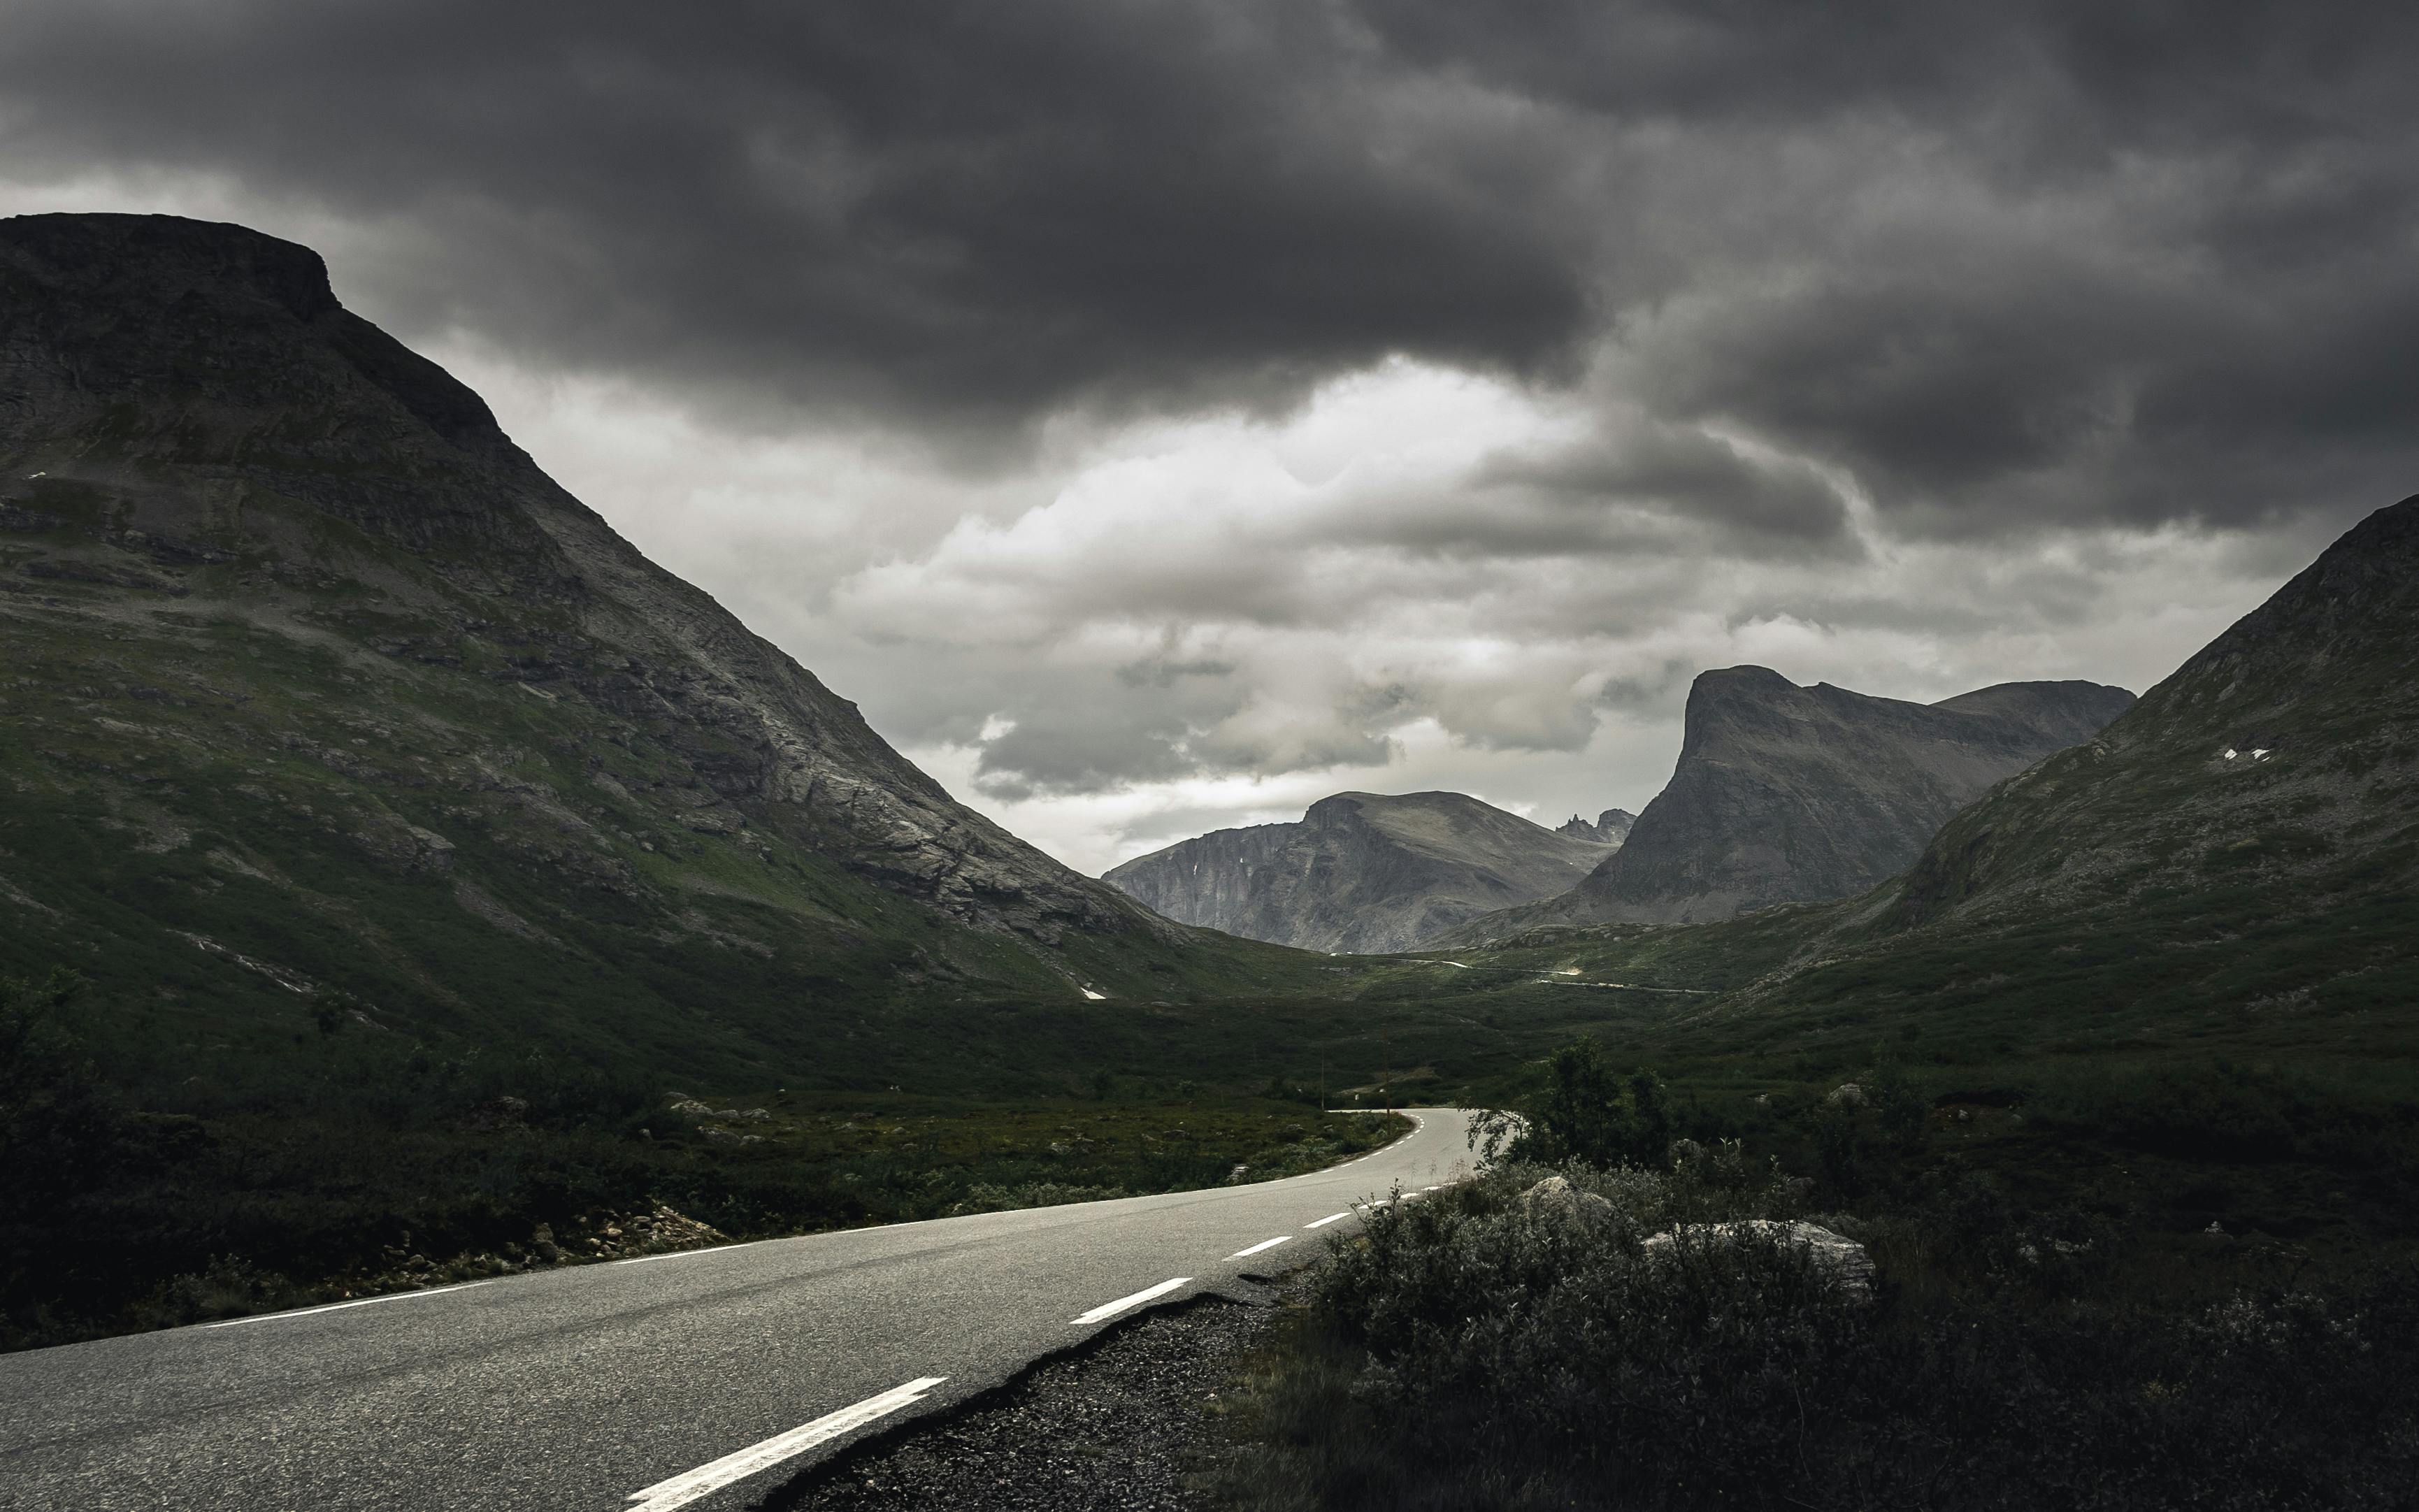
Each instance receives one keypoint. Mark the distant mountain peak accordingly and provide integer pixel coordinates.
(1788, 793)
(1361, 871)
(1610, 827)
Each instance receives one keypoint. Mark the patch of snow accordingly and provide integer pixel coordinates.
(2228, 753)
(1092, 997)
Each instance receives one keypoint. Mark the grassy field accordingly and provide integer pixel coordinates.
(396, 1167)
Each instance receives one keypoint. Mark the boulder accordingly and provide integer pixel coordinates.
(1842, 1259)
(1555, 1197)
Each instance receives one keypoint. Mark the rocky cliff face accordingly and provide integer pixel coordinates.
(264, 572)
(2283, 759)
(1785, 793)
(1610, 827)
(1361, 872)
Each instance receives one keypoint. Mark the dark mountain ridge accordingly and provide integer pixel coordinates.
(139, 343)
(317, 678)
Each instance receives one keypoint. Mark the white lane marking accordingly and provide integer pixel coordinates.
(340, 1306)
(1110, 1309)
(678, 1253)
(1333, 1217)
(705, 1479)
(1266, 1243)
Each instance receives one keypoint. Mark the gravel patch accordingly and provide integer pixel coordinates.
(1120, 1426)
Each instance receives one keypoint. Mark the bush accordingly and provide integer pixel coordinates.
(1587, 1113)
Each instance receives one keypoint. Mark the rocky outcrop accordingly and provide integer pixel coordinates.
(1361, 871)
(1611, 827)
(1785, 793)
(1556, 1201)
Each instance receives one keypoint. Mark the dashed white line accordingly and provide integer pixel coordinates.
(1333, 1217)
(1110, 1309)
(685, 1488)
(340, 1306)
(1263, 1244)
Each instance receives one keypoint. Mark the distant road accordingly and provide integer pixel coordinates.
(701, 1378)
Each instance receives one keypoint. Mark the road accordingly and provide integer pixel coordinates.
(702, 1379)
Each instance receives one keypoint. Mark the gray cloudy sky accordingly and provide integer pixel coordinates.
(1161, 415)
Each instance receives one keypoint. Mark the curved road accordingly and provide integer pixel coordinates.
(701, 1378)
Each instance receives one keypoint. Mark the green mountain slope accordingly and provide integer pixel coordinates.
(318, 692)
(2281, 762)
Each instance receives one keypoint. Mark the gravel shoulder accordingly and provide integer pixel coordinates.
(1125, 1422)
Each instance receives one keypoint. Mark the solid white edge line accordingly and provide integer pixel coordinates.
(1266, 1243)
(1331, 1217)
(340, 1306)
(1110, 1309)
(680, 1254)
(689, 1486)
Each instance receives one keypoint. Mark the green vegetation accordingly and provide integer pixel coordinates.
(123, 1206)
(2052, 1321)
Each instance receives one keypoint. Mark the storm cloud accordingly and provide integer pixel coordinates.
(1121, 395)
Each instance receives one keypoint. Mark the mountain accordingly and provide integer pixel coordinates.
(2232, 866)
(315, 682)
(1361, 872)
(1611, 827)
(2282, 758)
(1785, 793)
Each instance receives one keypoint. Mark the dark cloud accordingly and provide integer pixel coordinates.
(2002, 265)
(1686, 474)
(966, 209)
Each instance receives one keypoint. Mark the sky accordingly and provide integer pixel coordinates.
(1159, 416)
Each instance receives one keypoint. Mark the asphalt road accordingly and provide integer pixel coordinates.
(700, 1380)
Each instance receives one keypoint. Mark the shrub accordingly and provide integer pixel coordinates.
(1588, 1112)
(1471, 1352)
